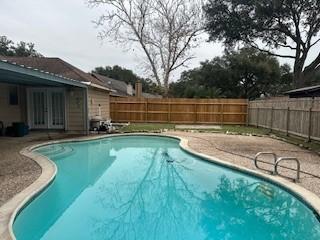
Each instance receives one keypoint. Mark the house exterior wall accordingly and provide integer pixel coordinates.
(75, 107)
(96, 97)
(75, 110)
(12, 113)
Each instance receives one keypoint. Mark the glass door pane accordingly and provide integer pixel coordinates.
(56, 109)
(38, 108)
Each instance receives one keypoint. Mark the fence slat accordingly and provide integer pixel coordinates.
(177, 110)
(296, 116)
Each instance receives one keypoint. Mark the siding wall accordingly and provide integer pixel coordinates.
(96, 97)
(75, 107)
(75, 98)
(12, 113)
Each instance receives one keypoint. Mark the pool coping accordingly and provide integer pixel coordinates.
(10, 210)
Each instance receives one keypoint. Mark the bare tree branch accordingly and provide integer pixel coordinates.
(254, 45)
(165, 30)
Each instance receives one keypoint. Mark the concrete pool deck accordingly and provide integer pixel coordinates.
(17, 171)
(236, 151)
(240, 150)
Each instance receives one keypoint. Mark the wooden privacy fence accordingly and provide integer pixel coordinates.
(179, 110)
(297, 116)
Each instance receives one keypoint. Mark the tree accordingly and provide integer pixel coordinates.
(293, 25)
(118, 73)
(6, 46)
(165, 30)
(21, 49)
(246, 73)
(128, 76)
(254, 72)
(203, 82)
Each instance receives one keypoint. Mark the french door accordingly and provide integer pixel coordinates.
(46, 108)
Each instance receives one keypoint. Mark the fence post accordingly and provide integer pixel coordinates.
(288, 121)
(195, 113)
(221, 114)
(257, 125)
(146, 110)
(248, 111)
(310, 124)
(271, 119)
(169, 112)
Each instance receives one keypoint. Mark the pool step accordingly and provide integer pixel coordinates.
(52, 149)
(58, 151)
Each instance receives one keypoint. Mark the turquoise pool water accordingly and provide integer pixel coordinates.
(143, 187)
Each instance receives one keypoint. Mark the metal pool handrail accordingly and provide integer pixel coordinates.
(266, 153)
(289, 159)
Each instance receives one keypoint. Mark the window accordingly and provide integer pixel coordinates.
(13, 96)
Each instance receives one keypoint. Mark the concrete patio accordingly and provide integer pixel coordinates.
(240, 150)
(16, 171)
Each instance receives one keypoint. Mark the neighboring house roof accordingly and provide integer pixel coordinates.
(150, 95)
(120, 87)
(312, 91)
(56, 66)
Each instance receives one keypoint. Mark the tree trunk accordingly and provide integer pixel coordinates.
(166, 85)
(297, 73)
(308, 76)
(303, 79)
(298, 80)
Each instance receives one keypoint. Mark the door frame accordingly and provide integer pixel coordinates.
(48, 113)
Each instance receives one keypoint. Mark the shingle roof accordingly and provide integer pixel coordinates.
(56, 66)
(120, 87)
(150, 95)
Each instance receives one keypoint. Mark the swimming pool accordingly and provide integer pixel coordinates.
(147, 187)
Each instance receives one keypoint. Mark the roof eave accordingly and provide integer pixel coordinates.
(303, 90)
(13, 67)
(97, 86)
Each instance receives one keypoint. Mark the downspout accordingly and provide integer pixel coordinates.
(86, 112)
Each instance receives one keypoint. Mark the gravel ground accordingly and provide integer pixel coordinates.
(18, 172)
(241, 150)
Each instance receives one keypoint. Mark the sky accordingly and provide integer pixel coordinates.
(65, 29)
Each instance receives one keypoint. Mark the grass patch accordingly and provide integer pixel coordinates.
(302, 142)
(146, 127)
(149, 127)
(244, 130)
(231, 129)
(296, 140)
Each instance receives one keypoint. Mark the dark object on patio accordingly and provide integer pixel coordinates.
(18, 129)
(1, 128)
(103, 128)
(9, 131)
(26, 130)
